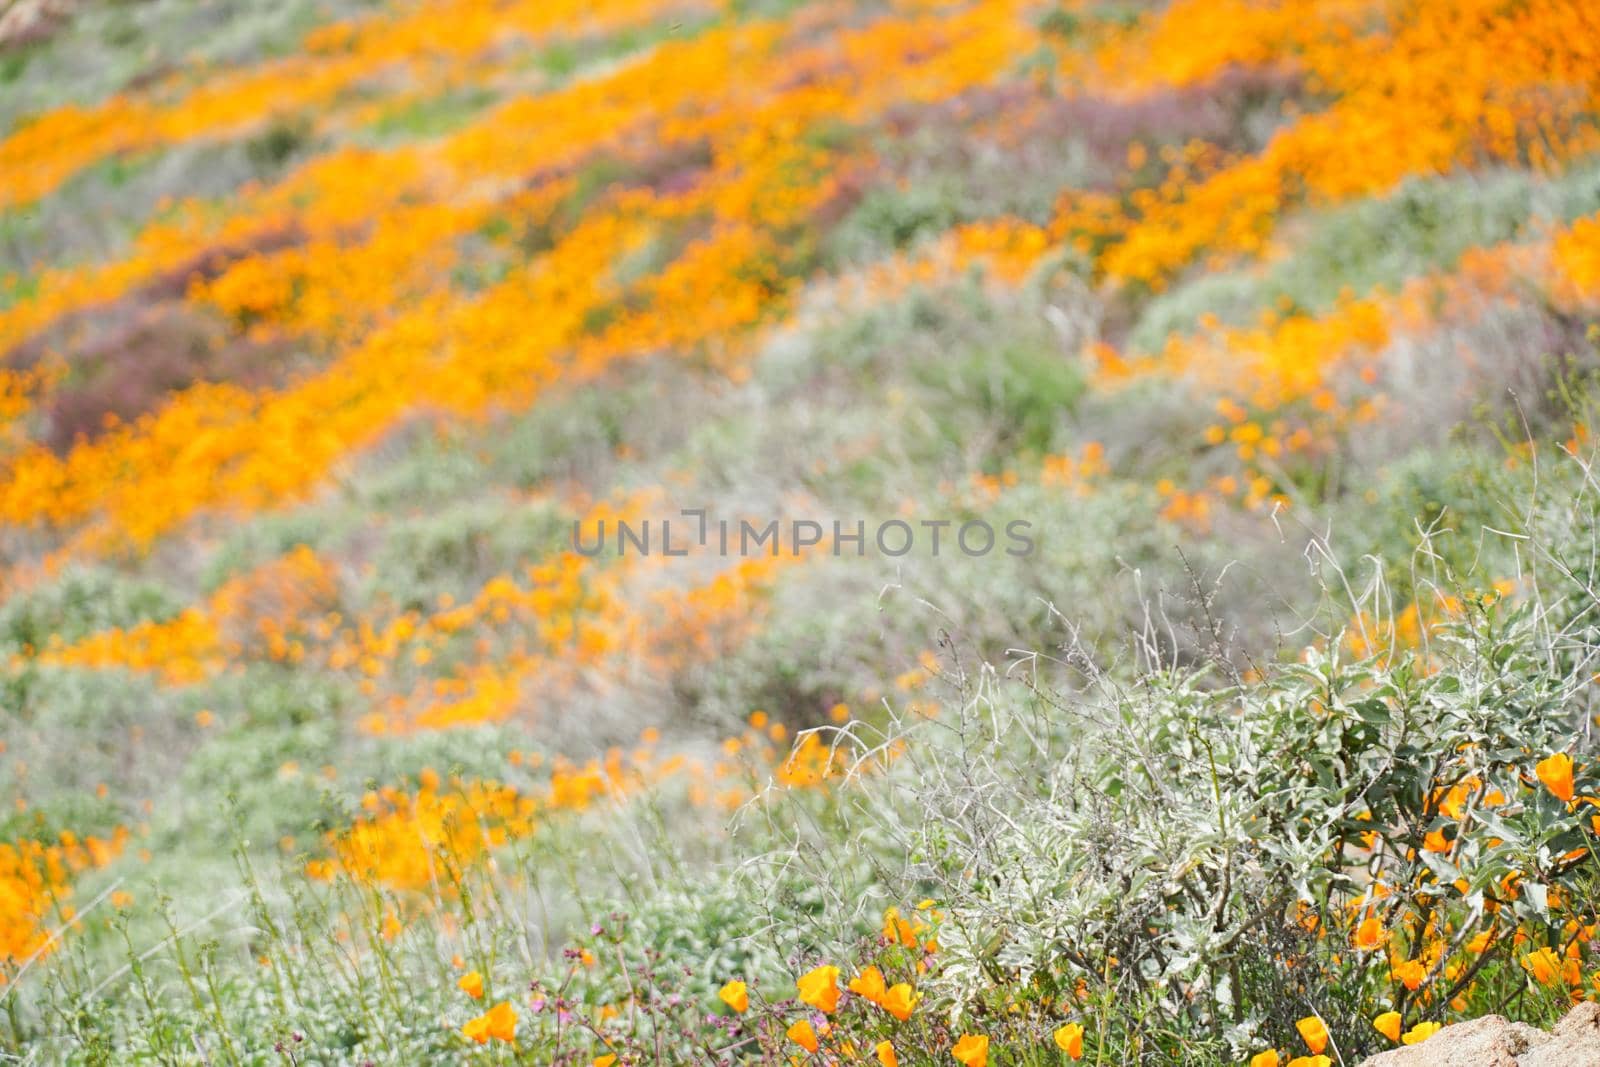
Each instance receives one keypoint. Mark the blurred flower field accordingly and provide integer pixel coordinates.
(325, 328)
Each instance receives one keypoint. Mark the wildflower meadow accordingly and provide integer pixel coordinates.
(915, 533)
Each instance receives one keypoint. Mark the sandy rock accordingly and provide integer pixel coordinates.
(1574, 1041)
(1493, 1042)
(1487, 1042)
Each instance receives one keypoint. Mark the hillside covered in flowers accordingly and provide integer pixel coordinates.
(1171, 633)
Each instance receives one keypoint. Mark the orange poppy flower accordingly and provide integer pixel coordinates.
(803, 1035)
(900, 1001)
(735, 995)
(1556, 774)
(1314, 1032)
(1370, 934)
(819, 988)
(499, 1022)
(471, 984)
(1069, 1039)
(868, 984)
(972, 1050)
(1420, 1033)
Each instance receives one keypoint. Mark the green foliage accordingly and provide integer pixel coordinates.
(103, 47)
(1026, 391)
(278, 143)
(432, 116)
(889, 219)
(1189, 853)
(458, 549)
(1137, 793)
(80, 602)
(1425, 225)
